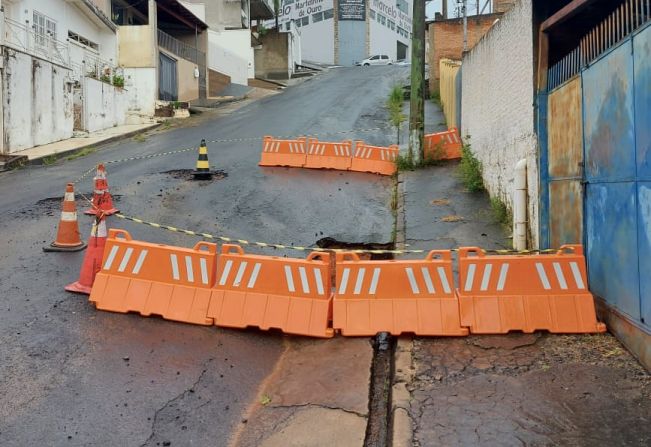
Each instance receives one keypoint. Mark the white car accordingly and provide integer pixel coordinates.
(378, 59)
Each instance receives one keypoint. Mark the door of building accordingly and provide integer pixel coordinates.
(167, 79)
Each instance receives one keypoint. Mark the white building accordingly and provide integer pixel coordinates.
(230, 53)
(58, 71)
(346, 31)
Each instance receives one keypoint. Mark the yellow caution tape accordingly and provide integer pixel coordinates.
(299, 248)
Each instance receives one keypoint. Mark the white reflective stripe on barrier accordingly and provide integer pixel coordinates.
(69, 197)
(542, 272)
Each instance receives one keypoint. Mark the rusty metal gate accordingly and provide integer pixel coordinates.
(596, 170)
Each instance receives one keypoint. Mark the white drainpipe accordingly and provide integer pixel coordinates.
(520, 206)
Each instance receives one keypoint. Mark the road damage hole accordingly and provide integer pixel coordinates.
(52, 205)
(331, 243)
(378, 428)
(187, 175)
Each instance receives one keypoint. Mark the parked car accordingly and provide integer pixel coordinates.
(378, 59)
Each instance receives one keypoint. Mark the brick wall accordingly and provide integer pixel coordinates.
(497, 106)
(446, 41)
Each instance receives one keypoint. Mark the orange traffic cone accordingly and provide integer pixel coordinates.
(92, 260)
(102, 200)
(68, 238)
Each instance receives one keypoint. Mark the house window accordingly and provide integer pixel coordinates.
(44, 28)
(392, 24)
(82, 40)
(317, 17)
(371, 13)
(305, 20)
(402, 6)
(328, 14)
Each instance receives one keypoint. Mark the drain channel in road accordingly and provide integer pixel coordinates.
(382, 366)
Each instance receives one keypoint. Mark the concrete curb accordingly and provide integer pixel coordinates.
(401, 424)
(38, 161)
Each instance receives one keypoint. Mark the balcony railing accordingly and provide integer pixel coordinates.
(23, 38)
(181, 49)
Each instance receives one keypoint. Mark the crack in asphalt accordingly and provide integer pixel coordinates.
(327, 407)
(174, 399)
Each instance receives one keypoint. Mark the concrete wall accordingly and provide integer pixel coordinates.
(446, 41)
(137, 46)
(104, 105)
(37, 101)
(317, 37)
(497, 106)
(230, 53)
(141, 86)
(68, 17)
(271, 60)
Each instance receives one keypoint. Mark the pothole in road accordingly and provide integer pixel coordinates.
(187, 175)
(382, 366)
(52, 205)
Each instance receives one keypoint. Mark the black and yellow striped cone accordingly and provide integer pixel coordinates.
(203, 167)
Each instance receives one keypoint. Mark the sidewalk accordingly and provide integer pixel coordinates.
(81, 142)
(516, 389)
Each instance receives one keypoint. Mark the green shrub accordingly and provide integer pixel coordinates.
(394, 106)
(435, 96)
(501, 213)
(118, 81)
(471, 170)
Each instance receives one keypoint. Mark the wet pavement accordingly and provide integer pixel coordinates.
(74, 376)
(511, 390)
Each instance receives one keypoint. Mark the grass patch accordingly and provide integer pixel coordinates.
(140, 138)
(394, 106)
(470, 169)
(81, 153)
(501, 212)
(49, 160)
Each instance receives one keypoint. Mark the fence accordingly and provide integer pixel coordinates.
(181, 49)
(450, 94)
(621, 23)
(23, 38)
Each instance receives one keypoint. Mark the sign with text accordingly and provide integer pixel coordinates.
(352, 10)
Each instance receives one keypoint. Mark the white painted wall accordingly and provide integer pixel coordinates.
(37, 101)
(383, 39)
(104, 105)
(141, 85)
(317, 38)
(318, 42)
(497, 106)
(67, 17)
(230, 53)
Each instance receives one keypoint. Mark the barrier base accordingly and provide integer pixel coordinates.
(53, 247)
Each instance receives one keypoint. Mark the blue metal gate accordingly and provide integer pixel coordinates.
(609, 139)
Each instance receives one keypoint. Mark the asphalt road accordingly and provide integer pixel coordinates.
(71, 375)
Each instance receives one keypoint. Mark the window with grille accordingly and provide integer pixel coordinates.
(44, 29)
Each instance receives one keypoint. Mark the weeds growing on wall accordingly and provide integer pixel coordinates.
(470, 169)
(501, 213)
(81, 153)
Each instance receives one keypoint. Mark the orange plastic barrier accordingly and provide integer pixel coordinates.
(272, 292)
(414, 296)
(498, 294)
(155, 279)
(376, 159)
(326, 155)
(443, 145)
(277, 152)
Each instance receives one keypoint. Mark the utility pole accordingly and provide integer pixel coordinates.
(444, 9)
(417, 95)
(465, 25)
